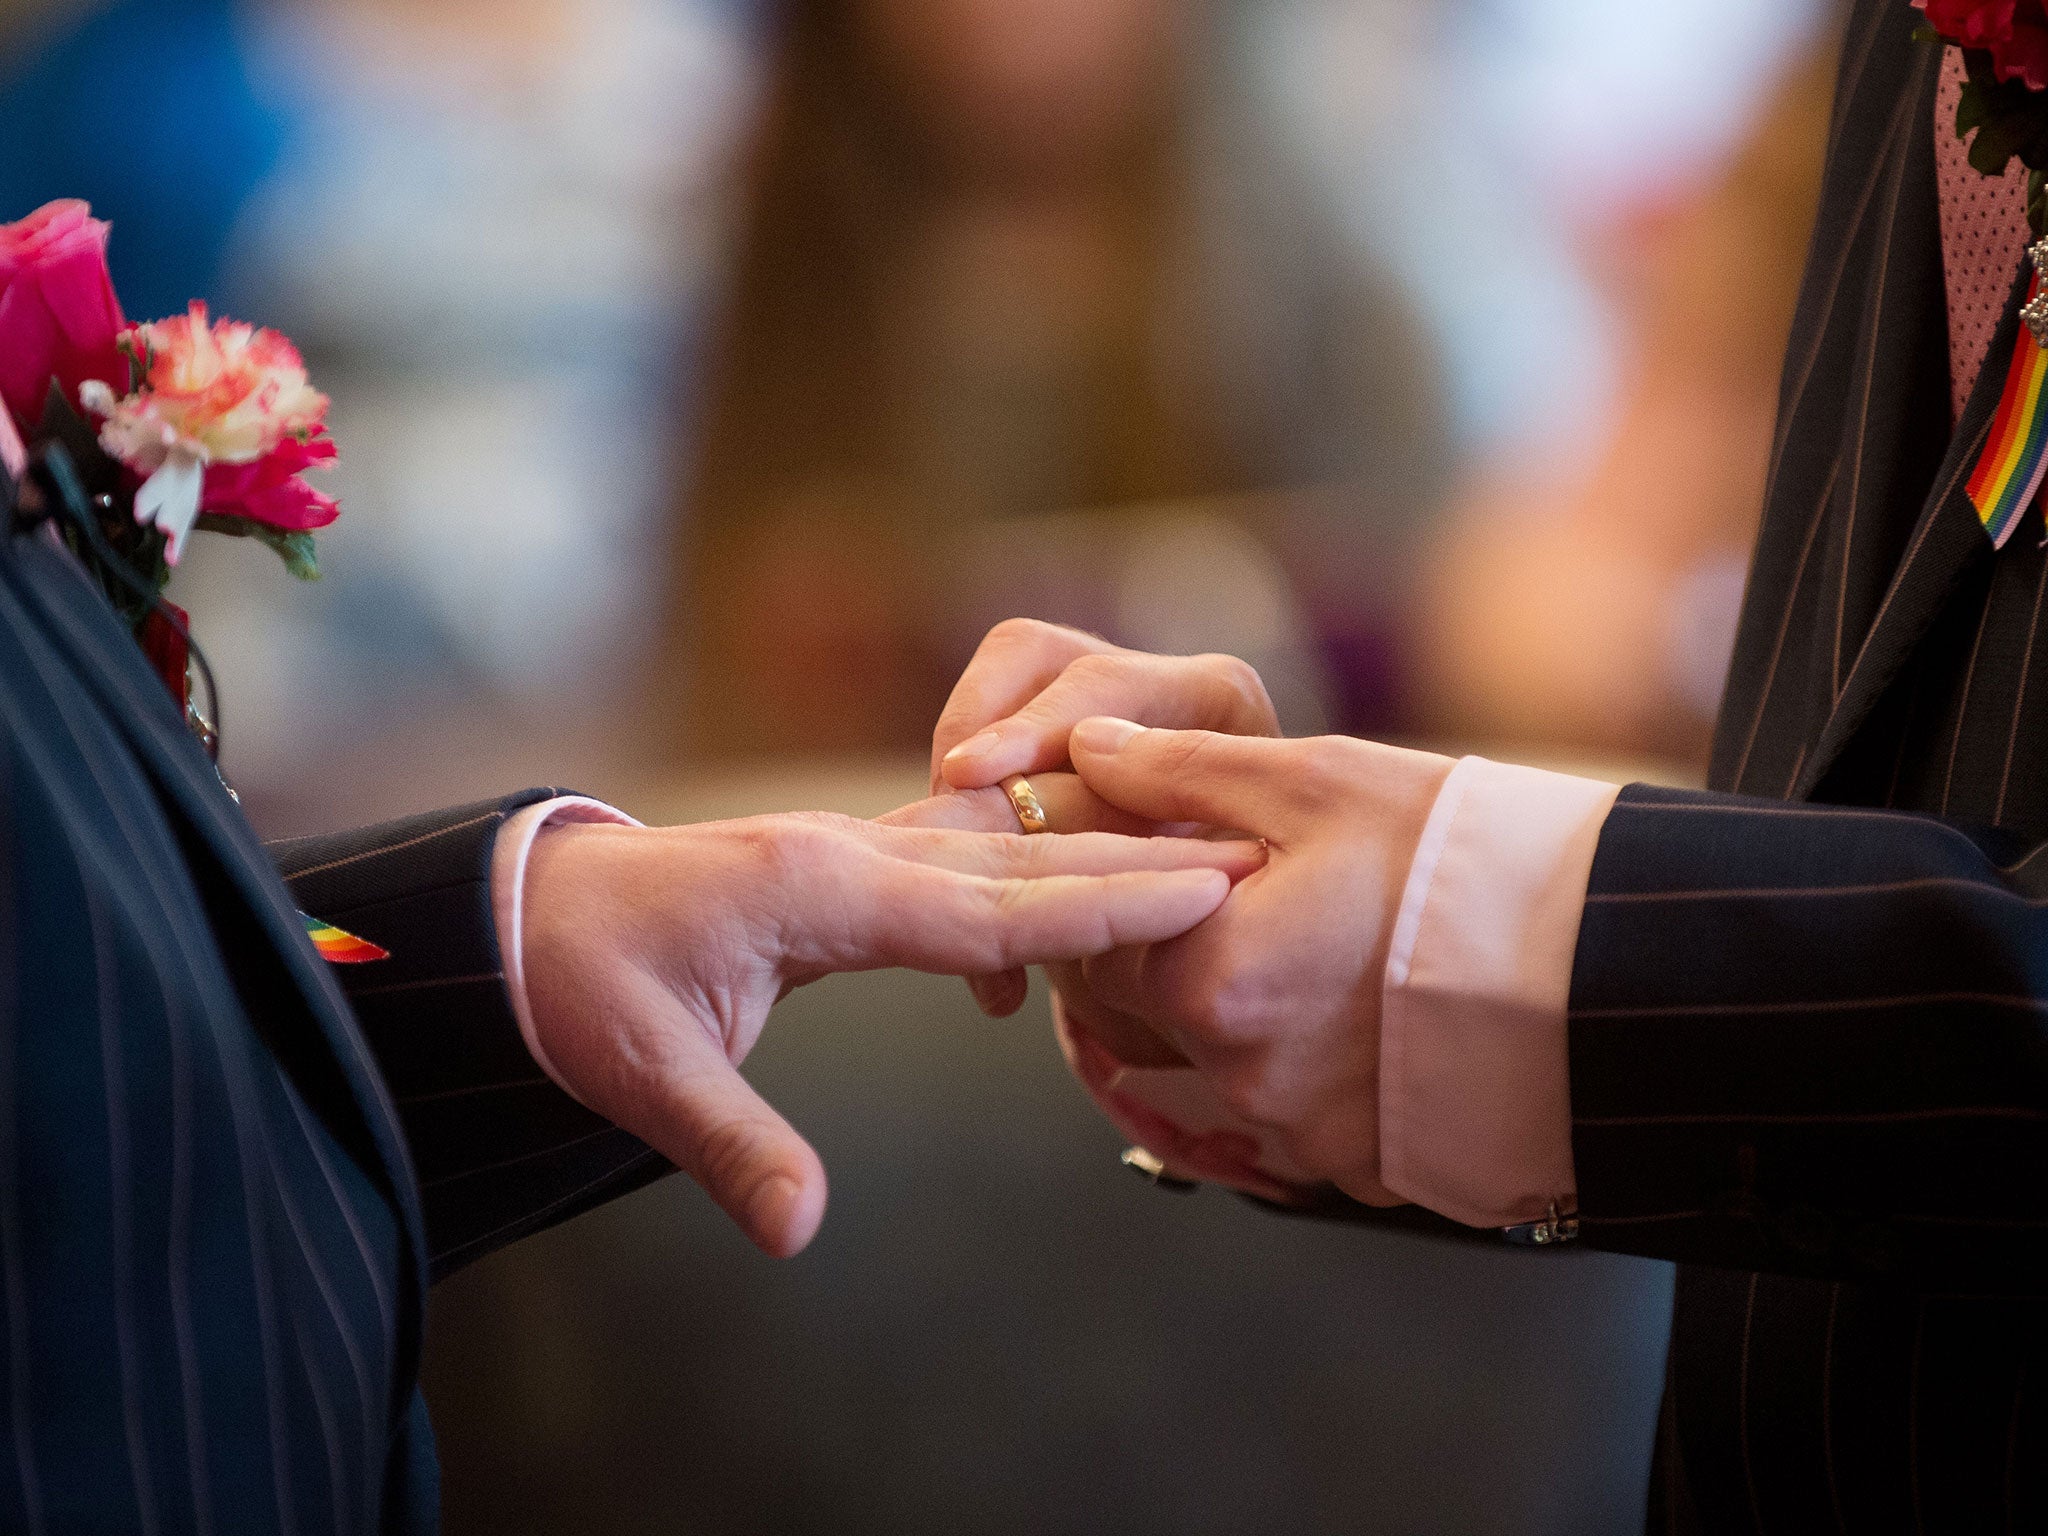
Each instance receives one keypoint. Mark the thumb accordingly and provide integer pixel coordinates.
(1201, 776)
(749, 1159)
(690, 1103)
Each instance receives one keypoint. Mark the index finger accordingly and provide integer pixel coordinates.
(1015, 855)
(971, 810)
(1013, 664)
(892, 912)
(1206, 693)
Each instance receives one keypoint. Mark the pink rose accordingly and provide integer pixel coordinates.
(58, 314)
(2013, 32)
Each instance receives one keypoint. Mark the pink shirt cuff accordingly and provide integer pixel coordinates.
(508, 897)
(1475, 1094)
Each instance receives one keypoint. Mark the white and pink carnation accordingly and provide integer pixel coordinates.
(220, 419)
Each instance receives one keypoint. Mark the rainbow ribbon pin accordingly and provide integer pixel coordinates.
(2015, 457)
(338, 947)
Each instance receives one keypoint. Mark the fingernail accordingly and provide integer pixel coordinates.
(1105, 734)
(974, 746)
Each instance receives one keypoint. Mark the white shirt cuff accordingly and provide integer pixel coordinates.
(508, 895)
(1475, 1093)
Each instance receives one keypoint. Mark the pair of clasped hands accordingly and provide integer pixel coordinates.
(1208, 898)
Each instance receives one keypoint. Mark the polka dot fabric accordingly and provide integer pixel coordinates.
(1983, 237)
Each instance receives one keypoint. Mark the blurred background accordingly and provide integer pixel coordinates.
(711, 374)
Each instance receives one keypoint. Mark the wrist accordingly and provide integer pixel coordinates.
(542, 894)
(569, 921)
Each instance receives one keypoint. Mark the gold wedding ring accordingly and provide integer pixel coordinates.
(1024, 799)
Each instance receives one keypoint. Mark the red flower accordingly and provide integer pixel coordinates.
(2013, 32)
(270, 490)
(58, 314)
(220, 418)
(165, 646)
(230, 400)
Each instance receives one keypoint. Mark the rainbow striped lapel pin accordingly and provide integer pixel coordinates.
(339, 947)
(2015, 456)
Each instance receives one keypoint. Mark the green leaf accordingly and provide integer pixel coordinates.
(294, 547)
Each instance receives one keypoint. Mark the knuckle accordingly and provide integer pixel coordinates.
(1241, 685)
(1242, 1003)
(1017, 856)
(1019, 634)
(1007, 897)
(1323, 756)
(1184, 752)
(1088, 685)
(1000, 900)
(816, 823)
(1007, 902)
(1040, 636)
(762, 841)
(1096, 668)
(981, 810)
(1323, 768)
(729, 1153)
(1245, 1088)
(1229, 1006)
(961, 716)
(789, 846)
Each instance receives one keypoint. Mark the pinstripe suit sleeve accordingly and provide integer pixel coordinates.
(499, 1150)
(1813, 1040)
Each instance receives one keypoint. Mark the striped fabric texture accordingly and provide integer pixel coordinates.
(223, 1181)
(498, 1149)
(1809, 1016)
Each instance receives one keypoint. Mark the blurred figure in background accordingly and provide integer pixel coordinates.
(492, 226)
(1005, 260)
(1189, 324)
(1588, 601)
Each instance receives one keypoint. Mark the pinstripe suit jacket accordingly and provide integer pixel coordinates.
(1809, 1012)
(225, 1181)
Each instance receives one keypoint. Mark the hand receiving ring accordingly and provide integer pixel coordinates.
(1024, 799)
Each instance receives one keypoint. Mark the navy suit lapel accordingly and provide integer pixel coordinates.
(1862, 418)
(80, 625)
(1947, 539)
